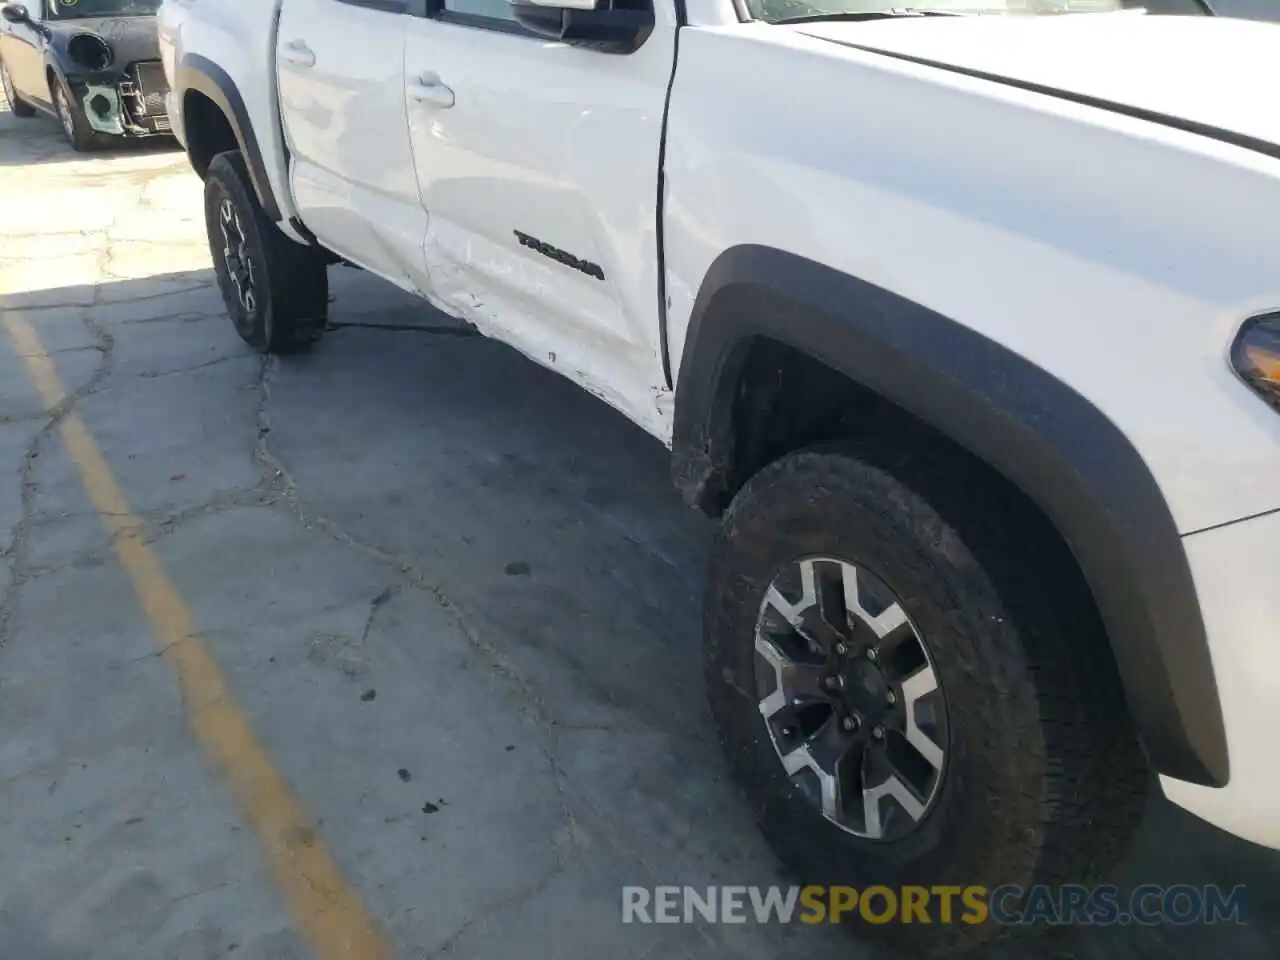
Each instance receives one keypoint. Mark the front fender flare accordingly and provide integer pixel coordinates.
(1042, 435)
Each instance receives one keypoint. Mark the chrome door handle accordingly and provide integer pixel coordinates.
(430, 90)
(299, 54)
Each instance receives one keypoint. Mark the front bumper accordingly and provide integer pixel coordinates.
(131, 104)
(1236, 569)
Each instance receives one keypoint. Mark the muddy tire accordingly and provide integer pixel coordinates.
(276, 291)
(974, 665)
(19, 106)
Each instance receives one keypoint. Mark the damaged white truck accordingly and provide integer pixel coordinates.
(965, 320)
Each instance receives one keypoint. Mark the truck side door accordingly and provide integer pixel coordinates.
(340, 70)
(538, 164)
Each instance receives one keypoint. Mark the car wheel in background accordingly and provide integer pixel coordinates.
(75, 126)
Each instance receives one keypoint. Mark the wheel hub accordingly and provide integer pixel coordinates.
(864, 689)
(850, 697)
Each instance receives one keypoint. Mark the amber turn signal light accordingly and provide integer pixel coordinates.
(1256, 357)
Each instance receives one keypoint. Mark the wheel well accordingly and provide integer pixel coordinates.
(208, 131)
(783, 352)
(785, 400)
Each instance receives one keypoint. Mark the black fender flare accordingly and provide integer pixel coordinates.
(1042, 435)
(199, 74)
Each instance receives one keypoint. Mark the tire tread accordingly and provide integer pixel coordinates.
(1031, 634)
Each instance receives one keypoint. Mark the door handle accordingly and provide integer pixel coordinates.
(299, 54)
(430, 90)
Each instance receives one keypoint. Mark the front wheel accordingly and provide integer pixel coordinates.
(75, 126)
(276, 291)
(913, 690)
(19, 107)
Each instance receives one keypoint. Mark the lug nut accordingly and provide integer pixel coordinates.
(833, 683)
(890, 697)
(872, 655)
(788, 732)
(878, 732)
(850, 723)
(841, 649)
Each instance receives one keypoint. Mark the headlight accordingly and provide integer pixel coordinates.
(89, 51)
(1256, 357)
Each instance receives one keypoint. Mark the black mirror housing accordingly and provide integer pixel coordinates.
(15, 13)
(615, 26)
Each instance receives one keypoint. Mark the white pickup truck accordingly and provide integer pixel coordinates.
(965, 321)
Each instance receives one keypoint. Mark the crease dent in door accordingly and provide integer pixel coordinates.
(541, 189)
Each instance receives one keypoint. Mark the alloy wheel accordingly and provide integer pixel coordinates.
(236, 256)
(64, 114)
(850, 696)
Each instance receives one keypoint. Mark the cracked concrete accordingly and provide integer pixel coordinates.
(456, 596)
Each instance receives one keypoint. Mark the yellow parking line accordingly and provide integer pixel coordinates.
(325, 909)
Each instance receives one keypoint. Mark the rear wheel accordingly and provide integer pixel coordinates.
(19, 107)
(276, 290)
(913, 689)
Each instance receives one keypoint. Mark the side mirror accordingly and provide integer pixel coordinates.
(16, 13)
(610, 26)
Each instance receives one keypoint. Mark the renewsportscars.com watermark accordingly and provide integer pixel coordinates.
(1067, 905)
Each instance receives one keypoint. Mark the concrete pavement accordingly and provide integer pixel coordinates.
(453, 599)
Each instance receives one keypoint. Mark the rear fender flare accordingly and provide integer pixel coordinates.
(206, 77)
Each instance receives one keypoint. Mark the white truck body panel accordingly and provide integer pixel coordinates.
(342, 100)
(562, 144)
(240, 38)
(1236, 569)
(1117, 253)
(1064, 232)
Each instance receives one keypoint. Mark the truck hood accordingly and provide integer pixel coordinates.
(1210, 71)
(131, 38)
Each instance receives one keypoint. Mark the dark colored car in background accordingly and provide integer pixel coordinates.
(94, 65)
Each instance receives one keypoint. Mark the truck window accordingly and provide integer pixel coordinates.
(386, 6)
(479, 10)
(777, 11)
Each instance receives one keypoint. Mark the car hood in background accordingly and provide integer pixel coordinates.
(131, 38)
(1209, 71)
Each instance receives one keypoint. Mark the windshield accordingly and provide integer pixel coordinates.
(79, 9)
(778, 11)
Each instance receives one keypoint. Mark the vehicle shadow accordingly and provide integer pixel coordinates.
(550, 521)
(39, 139)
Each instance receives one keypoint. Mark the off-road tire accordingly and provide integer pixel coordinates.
(20, 107)
(290, 309)
(1045, 780)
